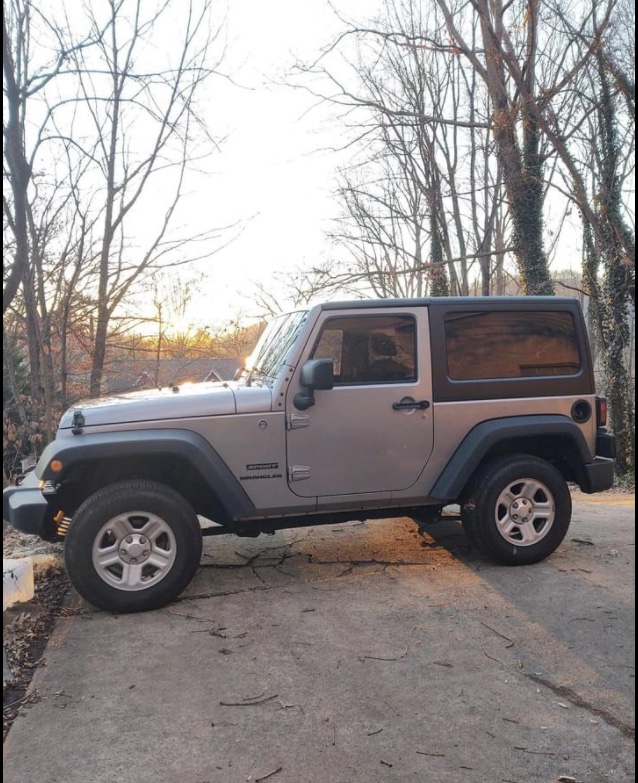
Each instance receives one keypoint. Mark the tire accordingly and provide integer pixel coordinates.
(133, 546)
(517, 510)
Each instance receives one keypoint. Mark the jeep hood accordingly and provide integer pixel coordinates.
(180, 402)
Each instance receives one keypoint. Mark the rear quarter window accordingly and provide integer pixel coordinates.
(501, 345)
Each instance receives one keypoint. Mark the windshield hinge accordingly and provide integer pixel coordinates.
(297, 421)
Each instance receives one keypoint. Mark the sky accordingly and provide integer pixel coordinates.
(270, 173)
(273, 174)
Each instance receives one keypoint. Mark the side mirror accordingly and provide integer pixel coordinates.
(316, 375)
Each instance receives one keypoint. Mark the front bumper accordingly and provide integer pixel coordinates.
(26, 509)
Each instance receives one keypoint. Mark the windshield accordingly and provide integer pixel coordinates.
(274, 345)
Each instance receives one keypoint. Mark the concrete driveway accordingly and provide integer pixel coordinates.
(365, 653)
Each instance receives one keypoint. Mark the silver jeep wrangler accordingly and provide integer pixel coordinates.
(347, 411)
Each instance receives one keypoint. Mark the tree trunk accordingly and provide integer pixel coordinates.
(19, 172)
(99, 352)
(33, 347)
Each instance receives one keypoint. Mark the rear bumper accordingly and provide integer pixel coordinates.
(605, 444)
(598, 475)
(26, 509)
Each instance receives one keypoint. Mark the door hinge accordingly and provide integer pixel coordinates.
(298, 472)
(297, 421)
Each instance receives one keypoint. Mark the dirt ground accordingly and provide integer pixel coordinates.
(28, 626)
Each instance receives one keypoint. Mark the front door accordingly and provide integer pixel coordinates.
(372, 432)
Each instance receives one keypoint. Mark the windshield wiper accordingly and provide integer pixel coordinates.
(253, 372)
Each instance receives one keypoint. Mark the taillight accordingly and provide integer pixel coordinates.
(601, 411)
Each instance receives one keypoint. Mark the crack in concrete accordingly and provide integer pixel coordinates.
(385, 563)
(574, 698)
(239, 591)
(251, 561)
(348, 565)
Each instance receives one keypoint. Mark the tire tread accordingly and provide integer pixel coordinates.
(92, 514)
(477, 510)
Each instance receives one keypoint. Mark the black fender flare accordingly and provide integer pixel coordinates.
(189, 445)
(478, 442)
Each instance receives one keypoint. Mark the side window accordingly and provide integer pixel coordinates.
(369, 349)
(511, 345)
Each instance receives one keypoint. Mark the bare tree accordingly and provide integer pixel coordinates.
(594, 142)
(422, 199)
(28, 71)
(142, 120)
(35, 204)
(384, 231)
(508, 69)
(290, 290)
(98, 134)
(619, 53)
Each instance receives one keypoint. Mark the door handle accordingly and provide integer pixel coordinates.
(410, 405)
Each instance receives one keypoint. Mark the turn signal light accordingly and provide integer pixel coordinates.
(56, 465)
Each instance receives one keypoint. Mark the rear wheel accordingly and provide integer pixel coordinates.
(517, 509)
(133, 546)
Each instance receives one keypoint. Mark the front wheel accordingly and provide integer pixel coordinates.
(517, 510)
(133, 546)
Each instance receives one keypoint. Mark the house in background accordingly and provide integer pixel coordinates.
(123, 376)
